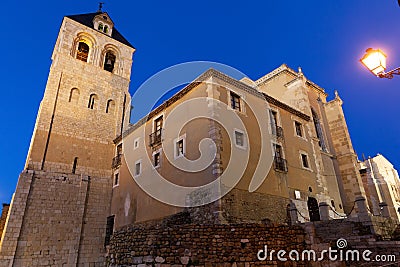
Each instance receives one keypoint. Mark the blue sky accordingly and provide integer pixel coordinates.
(325, 38)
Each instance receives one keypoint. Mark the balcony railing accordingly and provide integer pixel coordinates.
(277, 131)
(116, 162)
(155, 138)
(280, 164)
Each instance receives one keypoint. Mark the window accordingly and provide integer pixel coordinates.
(92, 101)
(318, 129)
(116, 179)
(74, 165)
(101, 27)
(179, 148)
(136, 143)
(119, 149)
(298, 128)
(110, 106)
(297, 194)
(109, 61)
(74, 95)
(304, 161)
(138, 168)
(109, 229)
(235, 101)
(106, 29)
(278, 151)
(157, 159)
(240, 139)
(155, 137)
(158, 124)
(276, 130)
(273, 117)
(280, 164)
(83, 52)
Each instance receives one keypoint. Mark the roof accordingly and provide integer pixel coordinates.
(209, 73)
(87, 20)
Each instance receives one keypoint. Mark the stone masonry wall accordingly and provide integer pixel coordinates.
(243, 206)
(56, 220)
(3, 218)
(201, 245)
(177, 242)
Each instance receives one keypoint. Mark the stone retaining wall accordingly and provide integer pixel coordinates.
(201, 245)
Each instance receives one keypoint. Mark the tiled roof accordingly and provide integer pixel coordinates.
(87, 20)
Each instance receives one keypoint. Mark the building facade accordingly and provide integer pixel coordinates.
(382, 185)
(308, 140)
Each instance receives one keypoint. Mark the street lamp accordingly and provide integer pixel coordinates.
(375, 61)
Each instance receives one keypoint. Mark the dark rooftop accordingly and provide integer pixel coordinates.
(87, 20)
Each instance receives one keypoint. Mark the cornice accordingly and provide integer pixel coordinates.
(211, 73)
(286, 107)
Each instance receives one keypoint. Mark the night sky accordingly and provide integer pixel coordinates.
(325, 38)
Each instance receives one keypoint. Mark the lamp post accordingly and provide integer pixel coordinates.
(375, 61)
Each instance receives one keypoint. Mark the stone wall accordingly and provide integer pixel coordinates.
(56, 219)
(177, 241)
(3, 218)
(243, 206)
(190, 244)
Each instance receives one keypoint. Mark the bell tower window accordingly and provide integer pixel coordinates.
(101, 27)
(83, 52)
(109, 62)
(92, 101)
(106, 29)
(74, 95)
(110, 107)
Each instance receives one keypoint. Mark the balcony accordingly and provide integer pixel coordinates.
(155, 138)
(116, 162)
(280, 164)
(277, 131)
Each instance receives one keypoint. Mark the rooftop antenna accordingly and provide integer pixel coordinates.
(100, 7)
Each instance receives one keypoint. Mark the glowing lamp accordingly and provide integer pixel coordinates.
(374, 60)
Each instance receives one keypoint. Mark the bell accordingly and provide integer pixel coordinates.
(109, 62)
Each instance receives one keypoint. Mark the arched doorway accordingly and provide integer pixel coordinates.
(313, 209)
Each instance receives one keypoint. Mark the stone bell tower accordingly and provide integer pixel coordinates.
(59, 211)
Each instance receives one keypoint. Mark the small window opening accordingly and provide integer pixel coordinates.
(110, 106)
(105, 29)
(74, 96)
(137, 168)
(92, 101)
(101, 26)
(109, 230)
(157, 157)
(235, 101)
(109, 62)
(179, 148)
(299, 131)
(116, 179)
(74, 165)
(119, 149)
(239, 138)
(83, 52)
(304, 160)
